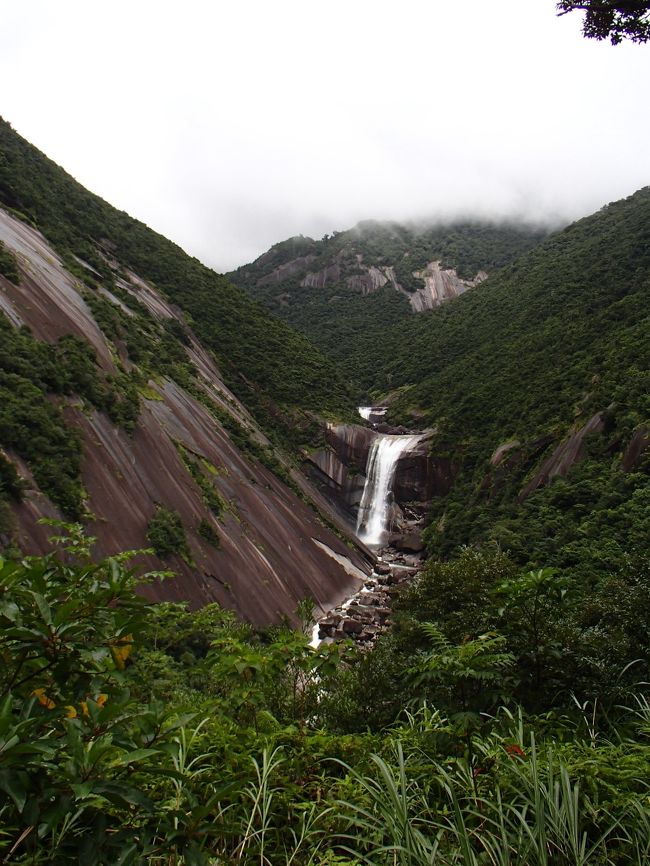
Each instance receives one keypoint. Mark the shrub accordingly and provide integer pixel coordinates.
(9, 265)
(166, 533)
(208, 533)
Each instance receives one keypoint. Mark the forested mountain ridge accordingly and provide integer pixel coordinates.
(536, 383)
(346, 291)
(535, 391)
(538, 387)
(555, 313)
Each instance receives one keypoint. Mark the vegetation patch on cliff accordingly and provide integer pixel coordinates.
(33, 426)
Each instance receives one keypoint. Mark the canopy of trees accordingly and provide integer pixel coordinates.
(605, 19)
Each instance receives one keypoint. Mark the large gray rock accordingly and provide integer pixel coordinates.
(409, 541)
(351, 626)
(636, 449)
(567, 454)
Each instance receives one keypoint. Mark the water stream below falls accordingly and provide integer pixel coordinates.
(373, 521)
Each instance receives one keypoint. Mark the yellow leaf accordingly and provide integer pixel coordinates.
(100, 700)
(121, 650)
(71, 712)
(43, 699)
(84, 708)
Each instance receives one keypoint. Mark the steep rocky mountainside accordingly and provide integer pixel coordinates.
(151, 392)
(273, 369)
(118, 404)
(346, 291)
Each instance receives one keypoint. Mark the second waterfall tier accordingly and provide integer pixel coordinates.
(373, 522)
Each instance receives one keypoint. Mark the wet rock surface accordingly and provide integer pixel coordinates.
(367, 614)
(420, 475)
(636, 449)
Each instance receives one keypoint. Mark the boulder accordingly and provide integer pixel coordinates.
(372, 599)
(330, 621)
(409, 541)
(351, 626)
(360, 613)
(414, 562)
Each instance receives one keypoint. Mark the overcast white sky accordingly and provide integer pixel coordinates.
(229, 126)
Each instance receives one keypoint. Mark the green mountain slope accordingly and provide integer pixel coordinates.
(346, 292)
(271, 367)
(545, 327)
(558, 340)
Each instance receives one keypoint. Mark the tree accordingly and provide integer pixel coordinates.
(612, 19)
(475, 674)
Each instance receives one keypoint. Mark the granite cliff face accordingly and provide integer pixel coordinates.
(440, 284)
(273, 548)
(430, 286)
(339, 467)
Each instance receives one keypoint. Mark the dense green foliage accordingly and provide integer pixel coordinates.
(348, 325)
(553, 338)
(167, 534)
(566, 635)
(149, 735)
(272, 368)
(154, 348)
(564, 322)
(34, 427)
(9, 265)
(503, 720)
(547, 343)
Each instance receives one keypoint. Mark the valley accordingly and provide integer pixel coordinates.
(352, 556)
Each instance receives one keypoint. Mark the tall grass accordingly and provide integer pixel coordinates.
(515, 805)
(530, 813)
(261, 835)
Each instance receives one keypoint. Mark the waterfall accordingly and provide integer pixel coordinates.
(372, 413)
(377, 499)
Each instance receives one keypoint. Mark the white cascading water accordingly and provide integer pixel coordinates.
(365, 412)
(376, 502)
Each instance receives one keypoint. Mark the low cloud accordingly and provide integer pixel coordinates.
(229, 127)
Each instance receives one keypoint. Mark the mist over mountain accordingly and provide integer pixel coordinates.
(507, 116)
(348, 291)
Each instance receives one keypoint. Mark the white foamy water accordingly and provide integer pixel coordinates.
(314, 643)
(367, 411)
(377, 499)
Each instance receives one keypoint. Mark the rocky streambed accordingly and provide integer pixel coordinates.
(367, 614)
